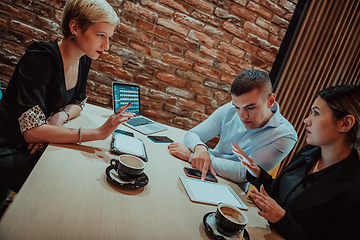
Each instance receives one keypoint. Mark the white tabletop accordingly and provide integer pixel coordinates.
(68, 195)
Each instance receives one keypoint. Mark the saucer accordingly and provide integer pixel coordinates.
(209, 221)
(141, 181)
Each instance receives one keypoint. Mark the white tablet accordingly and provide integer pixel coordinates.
(211, 193)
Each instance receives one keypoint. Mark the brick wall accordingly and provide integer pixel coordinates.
(184, 54)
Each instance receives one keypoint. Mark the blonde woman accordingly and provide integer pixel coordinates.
(48, 88)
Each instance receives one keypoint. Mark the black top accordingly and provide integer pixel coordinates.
(38, 80)
(323, 205)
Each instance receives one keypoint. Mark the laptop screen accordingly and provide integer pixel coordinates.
(123, 93)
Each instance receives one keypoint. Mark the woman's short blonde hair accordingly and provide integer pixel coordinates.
(86, 13)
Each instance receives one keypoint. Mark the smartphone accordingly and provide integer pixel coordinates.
(191, 172)
(160, 139)
(124, 132)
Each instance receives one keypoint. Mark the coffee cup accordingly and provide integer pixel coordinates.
(130, 165)
(230, 219)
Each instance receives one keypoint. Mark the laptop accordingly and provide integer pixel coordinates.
(123, 93)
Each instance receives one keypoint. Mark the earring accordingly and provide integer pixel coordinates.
(73, 37)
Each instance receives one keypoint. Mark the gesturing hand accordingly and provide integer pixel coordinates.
(270, 209)
(201, 161)
(247, 162)
(114, 121)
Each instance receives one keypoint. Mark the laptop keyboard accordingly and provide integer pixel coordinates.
(138, 121)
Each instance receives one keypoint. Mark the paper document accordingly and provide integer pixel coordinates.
(210, 192)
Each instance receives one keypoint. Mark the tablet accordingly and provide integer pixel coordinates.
(124, 144)
(211, 193)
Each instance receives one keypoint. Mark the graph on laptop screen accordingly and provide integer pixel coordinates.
(123, 94)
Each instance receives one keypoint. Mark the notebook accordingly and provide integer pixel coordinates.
(124, 93)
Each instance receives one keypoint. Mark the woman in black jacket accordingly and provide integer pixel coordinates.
(317, 196)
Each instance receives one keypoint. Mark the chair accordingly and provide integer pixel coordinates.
(4, 193)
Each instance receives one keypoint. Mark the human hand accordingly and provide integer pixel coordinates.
(179, 150)
(270, 209)
(247, 162)
(114, 121)
(201, 161)
(35, 147)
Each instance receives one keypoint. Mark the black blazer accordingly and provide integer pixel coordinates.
(328, 209)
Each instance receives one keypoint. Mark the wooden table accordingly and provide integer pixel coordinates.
(68, 196)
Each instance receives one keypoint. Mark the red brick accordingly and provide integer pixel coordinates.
(47, 24)
(177, 110)
(36, 7)
(3, 23)
(167, 46)
(149, 103)
(184, 42)
(139, 10)
(206, 18)
(259, 10)
(210, 110)
(157, 115)
(198, 57)
(287, 5)
(146, 26)
(206, 100)
(218, 54)
(110, 58)
(161, 32)
(288, 16)
(201, 37)
(179, 92)
(227, 78)
(198, 88)
(266, 55)
(134, 66)
(149, 82)
(222, 96)
(231, 50)
(119, 38)
(190, 75)
(105, 89)
(231, 28)
(244, 45)
(185, 122)
(274, 50)
(243, 12)
(273, 7)
(124, 52)
(206, 71)
(133, 32)
(189, 21)
(274, 40)
(13, 49)
(241, 2)
(21, 27)
(128, 18)
(171, 79)
(158, 64)
(252, 28)
(280, 21)
(191, 104)
(144, 49)
(238, 62)
(257, 62)
(55, 3)
(90, 85)
(178, 4)
(20, 14)
(282, 33)
(202, 5)
(261, 22)
(157, 7)
(99, 77)
(6, 69)
(118, 72)
(199, 116)
(162, 96)
(179, 61)
(223, 36)
(173, 26)
(229, 69)
(258, 42)
(224, 14)
(97, 98)
(58, 15)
